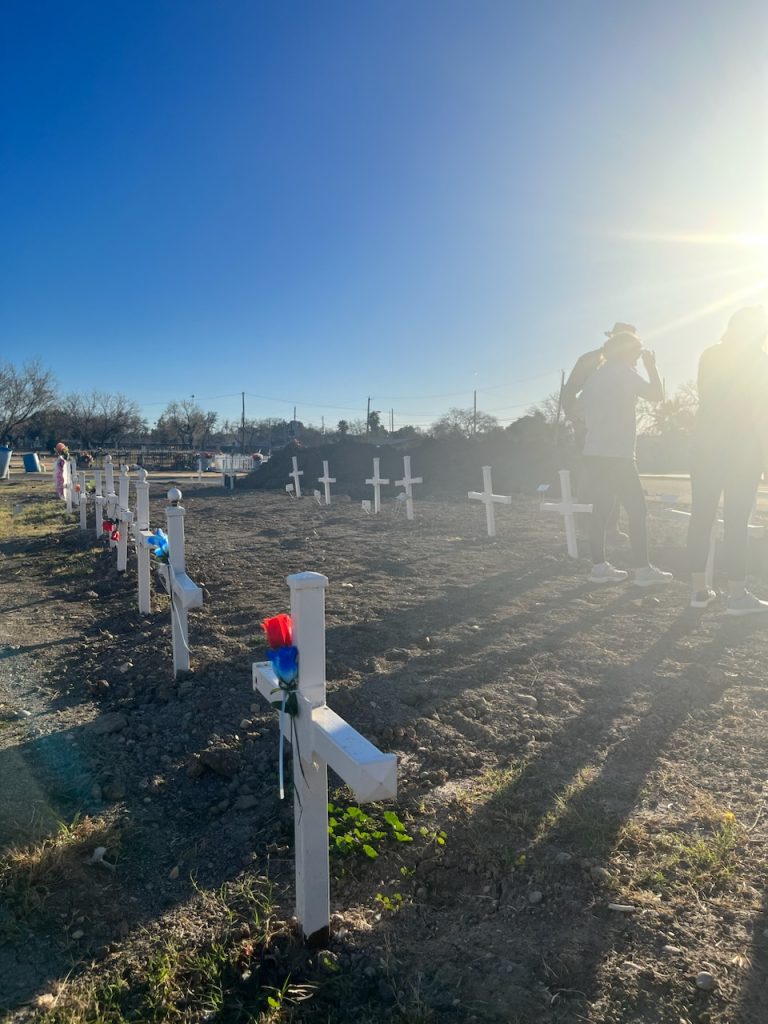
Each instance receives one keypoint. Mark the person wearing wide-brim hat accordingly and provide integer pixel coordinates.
(729, 453)
(608, 398)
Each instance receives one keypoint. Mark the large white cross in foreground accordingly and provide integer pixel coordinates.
(488, 498)
(184, 594)
(296, 473)
(567, 508)
(323, 739)
(407, 482)
(326, 480)
(376, 480)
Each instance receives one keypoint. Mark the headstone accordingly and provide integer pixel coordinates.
(567, 508)
(322, 739)
(326, 480)
(184, 594)
(376, 481)
(489, 499)
(407, 482)
(296, 473)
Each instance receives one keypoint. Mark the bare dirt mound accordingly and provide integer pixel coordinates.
(448, 468)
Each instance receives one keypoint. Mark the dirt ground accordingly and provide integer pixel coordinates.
(582, 773)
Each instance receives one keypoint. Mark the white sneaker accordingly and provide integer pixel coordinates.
(604, 572)
(747, 604)
(649, 575)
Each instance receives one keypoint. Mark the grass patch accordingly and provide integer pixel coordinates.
(34, 517)
(30, 876)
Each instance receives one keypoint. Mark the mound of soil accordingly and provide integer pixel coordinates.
(449, 468)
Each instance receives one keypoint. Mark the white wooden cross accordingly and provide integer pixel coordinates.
(407, 482)
(322, 739)
(109, 487)
(83, 499)
(99, 502)
(296, 473)
(124, 518)
(141, 535)
(326, 480)
(567, 508)
(376, 480)
(184, 594)
(489, 498)
(69, 483)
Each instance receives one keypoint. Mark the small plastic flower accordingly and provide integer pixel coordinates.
(160, 542)
(285, 662)
(279, 630)
(115, 535)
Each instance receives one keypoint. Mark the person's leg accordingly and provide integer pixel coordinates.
(599, 484)
(630, 493)
(707, 476)
(740, 490)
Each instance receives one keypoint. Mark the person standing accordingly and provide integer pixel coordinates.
(609, 398)
(730, 443)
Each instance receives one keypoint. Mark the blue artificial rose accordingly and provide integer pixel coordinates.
(285, 662)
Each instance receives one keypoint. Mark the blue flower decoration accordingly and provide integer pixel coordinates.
(285, 662)
(160, 541)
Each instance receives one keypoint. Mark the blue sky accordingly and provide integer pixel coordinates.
(317, 202)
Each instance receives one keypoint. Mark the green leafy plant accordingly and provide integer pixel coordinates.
(352, 831)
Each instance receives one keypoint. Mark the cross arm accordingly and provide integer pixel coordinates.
(556, 506)
(188, 594)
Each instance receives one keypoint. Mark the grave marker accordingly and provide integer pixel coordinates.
(407, 482)
(326, 480)
(141, 535)
(322, 739)
(99, 501)
(83, 499)
(124, 518)
(489, 498)
(376, 481)
(567, 508)
(184, 594)
(296, 473)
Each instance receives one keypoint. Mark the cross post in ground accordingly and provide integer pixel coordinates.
(407, 483)
(376, 481)
(296, 473)
(124, 518)
(489, 499)
(320, 738)
(567, 508)
(184, 594)
(326, 480)
(99, 502)
(141, 535)
(83, 498)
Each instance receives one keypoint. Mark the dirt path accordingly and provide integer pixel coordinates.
(562, 751)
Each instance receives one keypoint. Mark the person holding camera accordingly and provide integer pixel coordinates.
(608, 398)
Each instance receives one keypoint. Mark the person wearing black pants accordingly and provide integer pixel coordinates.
(609, 397)
(727, 457)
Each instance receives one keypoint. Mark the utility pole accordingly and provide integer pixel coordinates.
(368, 417)
(242, 425)
(391, 421)
(322, 424)
(474, 414)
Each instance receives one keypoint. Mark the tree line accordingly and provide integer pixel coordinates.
(33, 415)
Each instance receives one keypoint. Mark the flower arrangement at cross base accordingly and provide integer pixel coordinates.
(62, 454)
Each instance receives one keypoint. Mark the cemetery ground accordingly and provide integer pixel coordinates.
(582, 778)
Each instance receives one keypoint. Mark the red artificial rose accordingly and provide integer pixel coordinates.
(279, 630)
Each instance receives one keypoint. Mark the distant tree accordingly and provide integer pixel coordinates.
(407, 431)
(531, 428)
(186, 424)
(547, 407)
(375, 426)
(342, 428)
(463, 423)
(24, 393)
(99, 419)
(673, 417)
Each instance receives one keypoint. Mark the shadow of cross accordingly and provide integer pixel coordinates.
(320, 738)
